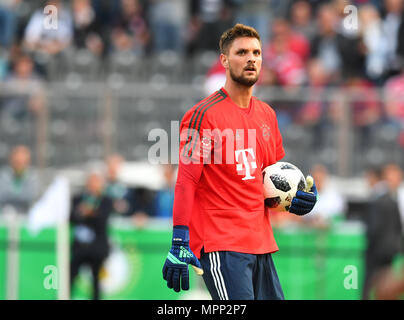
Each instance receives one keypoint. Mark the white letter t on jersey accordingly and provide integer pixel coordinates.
(248, 166)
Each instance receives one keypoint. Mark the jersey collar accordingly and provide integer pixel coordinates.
(223, 92)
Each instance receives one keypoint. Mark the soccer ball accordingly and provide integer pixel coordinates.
(281, 182)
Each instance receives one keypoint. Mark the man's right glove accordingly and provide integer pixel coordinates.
(175, 269)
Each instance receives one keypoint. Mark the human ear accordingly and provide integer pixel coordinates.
(224, 60)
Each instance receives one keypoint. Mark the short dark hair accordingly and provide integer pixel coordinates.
(238, 31)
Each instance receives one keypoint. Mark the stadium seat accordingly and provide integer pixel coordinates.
(86, 64)
(168, 63)
(202, 62)
(130, 66)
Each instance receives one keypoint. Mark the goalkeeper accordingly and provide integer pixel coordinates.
(221, 227)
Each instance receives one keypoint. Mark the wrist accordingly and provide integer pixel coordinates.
(180, 233)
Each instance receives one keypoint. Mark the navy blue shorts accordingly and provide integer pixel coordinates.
(232, 275)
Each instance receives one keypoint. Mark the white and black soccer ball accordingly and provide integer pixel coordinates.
(281, 182)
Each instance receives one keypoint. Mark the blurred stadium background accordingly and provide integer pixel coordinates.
(111, 71)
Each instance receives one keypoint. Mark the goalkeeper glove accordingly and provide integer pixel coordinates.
(304, 201)
(175, 269)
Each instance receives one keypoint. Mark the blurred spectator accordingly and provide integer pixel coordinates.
(384, 235)
(284, 65)
(168, 22)
(105, 10)
(394, 100)
(374, 41)
(350, 45)
(376, 3)
(4, 61)
(400, 44)
(324, 45)
(143, 206)
(49, 41)
(209, 19)
(375, 181)
(301, 19)
(376, 186)
(24, 91)
(130, 32)
(87, 28)
(256, 14)
(89, 217)
(285, 55)
(164, 200)
(8, 23)
(312, 111)
(295, 42)
(391, 24)
(120, 194)
(19, 185)
(330, 205)
(364, 106)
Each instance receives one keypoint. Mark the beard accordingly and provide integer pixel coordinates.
(247, 82)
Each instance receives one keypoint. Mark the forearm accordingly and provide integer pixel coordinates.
(183, 202)
(184, 194)
(175, 269)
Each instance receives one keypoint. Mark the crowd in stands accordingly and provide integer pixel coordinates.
(356, 46)
(369, 44)
(309, 46)
(313, 46)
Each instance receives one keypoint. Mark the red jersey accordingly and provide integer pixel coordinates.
(233, 146)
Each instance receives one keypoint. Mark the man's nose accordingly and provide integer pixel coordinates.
(251, 58)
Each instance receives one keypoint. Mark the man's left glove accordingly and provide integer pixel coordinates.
(304, 201)
(175, 269)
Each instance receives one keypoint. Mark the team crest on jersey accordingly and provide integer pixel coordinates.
(205, 141)
(206, 145)
(266, 131)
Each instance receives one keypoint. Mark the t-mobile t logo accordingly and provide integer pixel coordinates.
(248, 166)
